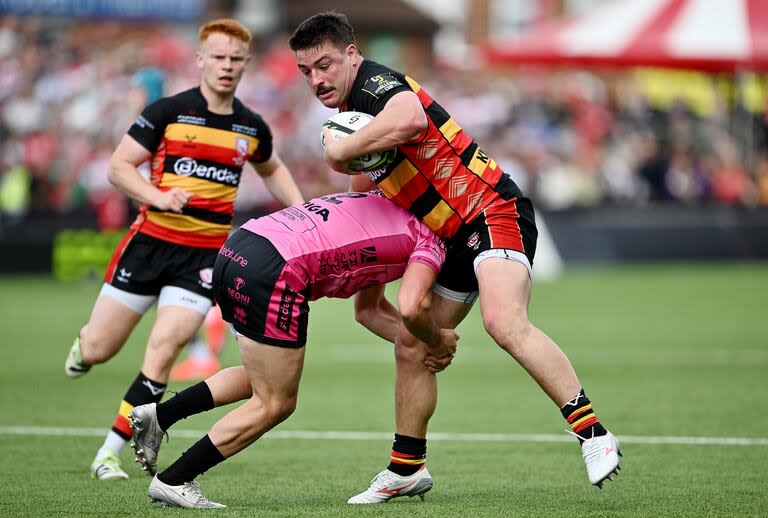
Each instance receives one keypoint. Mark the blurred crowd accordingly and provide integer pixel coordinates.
(570, 138)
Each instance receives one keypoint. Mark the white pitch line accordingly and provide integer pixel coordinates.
(387, 436)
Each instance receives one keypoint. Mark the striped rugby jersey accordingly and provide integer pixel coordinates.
(203, 153)
(442, 176)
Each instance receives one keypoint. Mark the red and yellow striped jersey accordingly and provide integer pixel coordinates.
(203, 153)
(443, 177)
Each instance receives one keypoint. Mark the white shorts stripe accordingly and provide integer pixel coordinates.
(175, 296)
(139, 303)
(504, 253)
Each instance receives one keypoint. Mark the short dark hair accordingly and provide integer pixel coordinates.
(322, 28)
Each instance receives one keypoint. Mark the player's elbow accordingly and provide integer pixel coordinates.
(412, 306)
(113, 172)
(364, 316)
(413, 124)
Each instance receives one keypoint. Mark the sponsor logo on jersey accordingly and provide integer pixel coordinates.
(124, 275)
(143, 122)
(235, 294)
(285, 310)
(381, 84)
(239, 314)
(247, 130)
(368, 254)
(375, 174)
(231, 254)
(191, 119)
(187, 166)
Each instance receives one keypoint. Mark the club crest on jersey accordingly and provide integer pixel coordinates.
(206, 277)
(241, 148)
(474, 241)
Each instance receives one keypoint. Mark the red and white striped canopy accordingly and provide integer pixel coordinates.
(712, 35)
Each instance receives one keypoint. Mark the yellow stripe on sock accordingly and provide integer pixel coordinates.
(125, 409)
(412, 462)
(580, 411)
(577, 423)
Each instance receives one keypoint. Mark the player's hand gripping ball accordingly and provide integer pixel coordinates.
(345, 123)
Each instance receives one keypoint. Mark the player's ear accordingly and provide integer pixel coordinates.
(351, 50)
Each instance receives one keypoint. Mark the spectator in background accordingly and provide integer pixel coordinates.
(14, 187)
(75, 91)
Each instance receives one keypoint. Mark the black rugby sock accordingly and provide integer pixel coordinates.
(409, 454)
(142, 391)
(583, 420)
(190, 401)
(198, 459)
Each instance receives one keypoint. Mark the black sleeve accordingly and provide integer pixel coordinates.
(149, 128)
(263, 151)
(378, 89)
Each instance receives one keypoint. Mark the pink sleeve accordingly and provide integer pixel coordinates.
(429, 248)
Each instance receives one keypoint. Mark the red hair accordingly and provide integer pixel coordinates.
(226, 26)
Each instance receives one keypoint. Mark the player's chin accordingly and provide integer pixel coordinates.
(226, 86)
(329, 100)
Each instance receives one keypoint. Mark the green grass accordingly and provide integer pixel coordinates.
(661, 350)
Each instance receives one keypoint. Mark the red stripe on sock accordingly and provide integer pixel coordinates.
(586, 424)
(122, 425)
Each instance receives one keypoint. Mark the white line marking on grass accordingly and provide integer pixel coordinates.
(387, 436)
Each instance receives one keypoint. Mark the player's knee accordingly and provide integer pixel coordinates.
(278, 409)
(408, 348)
(508, 331)
(95, 346)
(162, 350)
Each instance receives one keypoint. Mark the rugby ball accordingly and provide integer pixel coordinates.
(345, 123)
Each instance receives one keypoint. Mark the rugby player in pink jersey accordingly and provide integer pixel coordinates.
(264, 277)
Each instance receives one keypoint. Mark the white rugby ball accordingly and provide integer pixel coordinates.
(345, 123)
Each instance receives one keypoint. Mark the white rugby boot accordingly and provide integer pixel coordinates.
(74, 366)
(106, 466)
(147, 436)
(388, 485)
(601, 456)
(188, 495)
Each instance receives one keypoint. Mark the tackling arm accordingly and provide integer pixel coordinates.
(414, 300)
(376, 313)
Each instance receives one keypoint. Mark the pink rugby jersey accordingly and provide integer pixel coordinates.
(342, 243)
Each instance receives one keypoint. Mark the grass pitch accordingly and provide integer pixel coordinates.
(667, 354)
